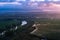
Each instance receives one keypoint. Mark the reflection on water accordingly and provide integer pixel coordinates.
(15, 28)
(24, 23)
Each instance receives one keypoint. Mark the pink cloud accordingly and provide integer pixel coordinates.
(51, 7)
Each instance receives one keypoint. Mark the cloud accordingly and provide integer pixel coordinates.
(10, 5)
(51, 7)
(6, 3)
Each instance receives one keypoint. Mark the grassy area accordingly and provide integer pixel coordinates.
(9, 23)
(49, 28)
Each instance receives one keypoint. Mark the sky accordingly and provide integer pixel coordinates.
(30, 5)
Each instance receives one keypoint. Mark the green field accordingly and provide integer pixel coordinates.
(48, 28)
(9, 23)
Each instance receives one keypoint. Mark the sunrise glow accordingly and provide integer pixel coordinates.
(43, 5)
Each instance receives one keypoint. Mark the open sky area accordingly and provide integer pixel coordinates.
(30, 5)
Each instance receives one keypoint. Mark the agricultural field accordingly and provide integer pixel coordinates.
(48, 28)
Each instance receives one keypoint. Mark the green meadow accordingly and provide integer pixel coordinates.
(49, 28)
